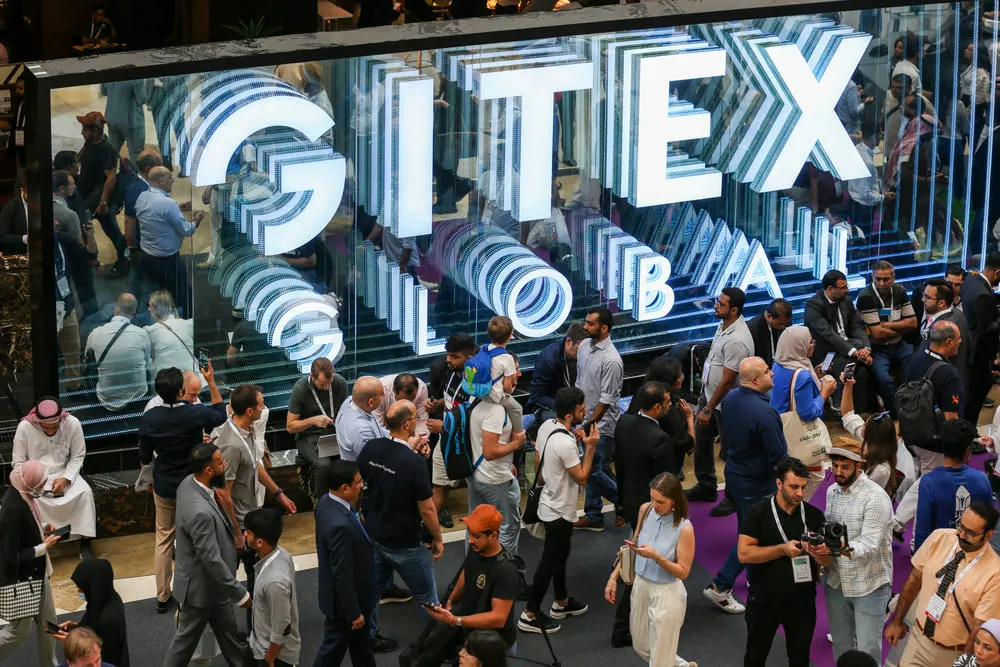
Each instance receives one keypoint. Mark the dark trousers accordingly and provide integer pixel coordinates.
(110, 226)
(704, 451)
(442, 644)
(191, 622)
(307, 446)
(552, 567)
(249, 558)
(339, 639)
(799, 621)
(169, 273)
(980, 381)
(621, 631)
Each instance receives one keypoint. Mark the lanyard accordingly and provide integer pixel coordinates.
(316, 396)
(250, 451)
(781, 531)
(958, 578)
(770, 339)
(892, 303)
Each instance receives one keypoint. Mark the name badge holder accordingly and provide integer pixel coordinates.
(801, 567)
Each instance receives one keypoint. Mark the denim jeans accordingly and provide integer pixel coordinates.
(856, 623)
(505, 497)
(414, 565)
(600, 483)
(743, 495)
(884, 357)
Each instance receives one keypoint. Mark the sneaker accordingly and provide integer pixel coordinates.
(445, 519)
(382, 644)
(699, 493)
(393, 594)
(164, 607)
(724, 600)
(724, 508)
(536, 625)
(573, 607)
(587, 524)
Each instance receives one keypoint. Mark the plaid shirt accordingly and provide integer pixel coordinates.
(866, 510)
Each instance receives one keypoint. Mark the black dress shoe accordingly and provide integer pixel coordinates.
(724, 508)
(699, 493)
(621, 642)
(382, 644)
(86, 551)
(392, 594)
(445, 519)
(164, 607)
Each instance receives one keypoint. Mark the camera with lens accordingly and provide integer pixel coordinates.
(833, 535)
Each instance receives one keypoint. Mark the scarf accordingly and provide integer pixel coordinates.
(29, 478)
(46, 410)
(793, 351)
(906, 145)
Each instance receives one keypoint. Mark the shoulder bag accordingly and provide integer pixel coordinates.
(809, 441)
(626, 556)
(22, 599)
(530, 515)
(183, 344)
(93, 366)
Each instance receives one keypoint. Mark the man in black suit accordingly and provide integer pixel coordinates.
(835, 327)
(980, 308)
(642, 451)
(766, 328)
(14, 223)
(937, 301)
(346, 570)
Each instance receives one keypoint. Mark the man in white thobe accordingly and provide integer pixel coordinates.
(53, 436)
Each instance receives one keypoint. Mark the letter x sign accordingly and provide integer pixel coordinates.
(813, 127)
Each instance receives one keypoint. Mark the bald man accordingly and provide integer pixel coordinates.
(121, 351)
(756, 442)
(356, 422)
(162, 230)
(397, 497)
(192, 390)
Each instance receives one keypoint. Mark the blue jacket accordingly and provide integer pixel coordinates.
(754, 437)
(549, 376)
(808, 401)
(346, 563)
(942, 500)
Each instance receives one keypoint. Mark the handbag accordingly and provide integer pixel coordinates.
(22, 599)
(808, 441)
(529, 517)
(626, 557)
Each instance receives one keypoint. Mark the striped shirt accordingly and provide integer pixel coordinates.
(866, 510)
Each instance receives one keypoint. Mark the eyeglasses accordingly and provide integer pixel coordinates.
(962, 530)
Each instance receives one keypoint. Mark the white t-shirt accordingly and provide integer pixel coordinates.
(492, 418)
(560, 492)
(500, 365)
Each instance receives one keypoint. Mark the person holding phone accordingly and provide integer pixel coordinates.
(105, 614)
(24, 553)
(664, 553)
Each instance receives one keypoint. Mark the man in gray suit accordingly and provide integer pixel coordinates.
(205, 572)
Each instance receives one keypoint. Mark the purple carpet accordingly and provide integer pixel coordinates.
(716, 536)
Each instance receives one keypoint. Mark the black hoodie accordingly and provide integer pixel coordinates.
(105, 612)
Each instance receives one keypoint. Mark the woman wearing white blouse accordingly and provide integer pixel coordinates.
(664, 552)
(171, 338)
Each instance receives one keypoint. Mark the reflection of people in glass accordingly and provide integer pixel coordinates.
(98, 174)
(909, 170)
(80, 253)
(122, 351)
(171, 338)
(99, 29)
(126, 121)
(162, 229)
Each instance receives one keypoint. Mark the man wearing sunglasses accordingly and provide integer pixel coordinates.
(955, 583)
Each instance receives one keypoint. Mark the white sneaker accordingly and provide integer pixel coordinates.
(724, 600)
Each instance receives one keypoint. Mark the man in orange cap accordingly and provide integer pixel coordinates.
(98, 174)
(483, 595)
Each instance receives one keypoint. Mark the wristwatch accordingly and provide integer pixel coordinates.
(279, 493)
(458, 621)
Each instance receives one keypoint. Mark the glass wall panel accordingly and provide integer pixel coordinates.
(364, 209)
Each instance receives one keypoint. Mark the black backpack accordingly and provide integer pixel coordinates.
(919, 419)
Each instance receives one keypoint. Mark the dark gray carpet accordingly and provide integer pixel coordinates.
(710, 637)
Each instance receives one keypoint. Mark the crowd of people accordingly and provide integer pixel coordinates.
(906, 373)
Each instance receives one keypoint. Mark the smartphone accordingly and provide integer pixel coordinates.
(52, 628)
(427, 606)
(203, 358)
(62, 532)
(630, 543)
(849, 371)
(827, 360)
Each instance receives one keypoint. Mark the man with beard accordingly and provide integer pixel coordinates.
(955, 582)
(483, 596)
(782, 571)
(205, 577)
(858, 585)
(888, 315)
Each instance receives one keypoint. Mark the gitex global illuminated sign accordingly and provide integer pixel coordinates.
(249, 128)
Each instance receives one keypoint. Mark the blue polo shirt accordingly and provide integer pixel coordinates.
(754, 437)
(944, 494)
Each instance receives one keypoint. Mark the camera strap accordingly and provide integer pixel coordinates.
(777, 521)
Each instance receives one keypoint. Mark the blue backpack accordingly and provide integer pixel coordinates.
(456, 442)
(477, 381)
